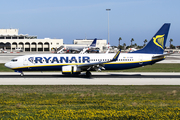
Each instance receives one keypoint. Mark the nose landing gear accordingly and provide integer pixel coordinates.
(21, 73)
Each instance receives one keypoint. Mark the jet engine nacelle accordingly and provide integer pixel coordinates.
(71, 70)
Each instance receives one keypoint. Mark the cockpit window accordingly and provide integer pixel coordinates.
(14, 60)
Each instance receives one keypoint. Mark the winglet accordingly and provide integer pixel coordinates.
(116, 56)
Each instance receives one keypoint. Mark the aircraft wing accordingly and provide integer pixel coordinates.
(91, 64)
(99, 64)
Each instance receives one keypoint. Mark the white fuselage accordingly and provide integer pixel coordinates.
(56, 61)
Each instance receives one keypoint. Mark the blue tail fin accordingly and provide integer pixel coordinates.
(93, 44)
(157, 44)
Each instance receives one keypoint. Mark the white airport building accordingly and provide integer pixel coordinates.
(11, 40)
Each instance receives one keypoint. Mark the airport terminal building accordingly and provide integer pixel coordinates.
(11, 40)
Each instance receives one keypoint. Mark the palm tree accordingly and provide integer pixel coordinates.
(119, 41)
(132, 41)
(170, 42)
(124, 45)
(145, 41)
(135, 45)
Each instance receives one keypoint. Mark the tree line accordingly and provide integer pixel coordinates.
(137, 46)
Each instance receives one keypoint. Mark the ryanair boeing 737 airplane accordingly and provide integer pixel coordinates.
(77, 63)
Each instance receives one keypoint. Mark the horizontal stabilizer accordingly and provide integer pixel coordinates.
(162, 55)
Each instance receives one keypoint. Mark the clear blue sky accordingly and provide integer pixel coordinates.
(77, 19)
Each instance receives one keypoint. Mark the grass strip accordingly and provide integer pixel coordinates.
(89, 102)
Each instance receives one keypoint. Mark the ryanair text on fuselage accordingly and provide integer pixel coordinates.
(80, 59)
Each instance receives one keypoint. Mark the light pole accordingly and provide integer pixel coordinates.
(108, 23)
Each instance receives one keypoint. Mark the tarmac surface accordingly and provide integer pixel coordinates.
(97, 78)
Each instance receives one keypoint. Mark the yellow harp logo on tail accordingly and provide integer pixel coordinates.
(159, 40)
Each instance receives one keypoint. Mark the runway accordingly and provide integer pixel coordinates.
(98, 78)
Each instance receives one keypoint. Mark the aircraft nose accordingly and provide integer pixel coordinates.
(7, 65)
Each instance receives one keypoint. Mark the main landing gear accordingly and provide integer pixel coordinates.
(88, 74)
(22, 74)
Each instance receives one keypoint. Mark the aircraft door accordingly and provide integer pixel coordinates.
(25, 61)
(140, 60)
(72, 69)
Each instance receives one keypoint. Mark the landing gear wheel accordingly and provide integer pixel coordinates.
(22, 74)
(88, 74)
